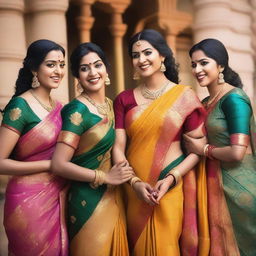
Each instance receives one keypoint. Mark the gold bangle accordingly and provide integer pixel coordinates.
(99, 178)
(133, 180)
(205, 150)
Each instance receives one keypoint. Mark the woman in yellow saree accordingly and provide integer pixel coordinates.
(164, 215)
(96, 221)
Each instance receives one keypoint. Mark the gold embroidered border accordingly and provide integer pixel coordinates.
(240, 139)
(69, 138)
(11, 128)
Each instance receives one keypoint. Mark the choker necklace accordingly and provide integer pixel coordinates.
(103, 109)
(48, 108)
(152, 95)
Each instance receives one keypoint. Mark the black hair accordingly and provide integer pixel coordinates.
(36, 54)
(159, 43)
(216, 50)
(80, 51)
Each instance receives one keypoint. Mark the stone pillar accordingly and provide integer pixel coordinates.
(228, 21)
(46, 20)
(118, 30)
(12, 52)
(85, 21)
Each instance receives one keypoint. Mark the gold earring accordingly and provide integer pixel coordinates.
(107, 80)
(162, 67)
(79, 87)
(136, 76)
(221, 78)
(35, 82)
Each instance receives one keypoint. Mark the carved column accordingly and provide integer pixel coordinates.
(118, 30)
(12, 51)
(46, 20)
(85, 20)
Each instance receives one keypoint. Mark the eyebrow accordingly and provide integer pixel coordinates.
(90, 63)
(144, 50)
(199, 60)
(54, 61)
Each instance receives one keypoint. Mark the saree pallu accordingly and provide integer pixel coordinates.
(231, 192)
(34, 205)
(178, 225)
(96, 215)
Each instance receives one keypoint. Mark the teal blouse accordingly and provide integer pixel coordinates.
(19, 115)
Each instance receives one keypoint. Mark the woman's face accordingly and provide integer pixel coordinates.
(51, 70)
(205, 69)
(146, 59)
(92, 72)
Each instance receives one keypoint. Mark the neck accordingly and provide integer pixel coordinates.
(156, 81)
(214, 89)
(43, 94)
(98, 97)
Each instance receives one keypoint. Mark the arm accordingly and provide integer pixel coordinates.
(118, 151)
(8, 166)
(62, 166)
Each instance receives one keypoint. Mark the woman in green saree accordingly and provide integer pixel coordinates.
(231, 160)
(96, 223)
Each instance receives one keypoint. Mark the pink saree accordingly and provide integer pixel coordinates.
(34, 206)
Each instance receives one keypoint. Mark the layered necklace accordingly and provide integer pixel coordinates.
(152, 95)
(103, 109)
(48, 108)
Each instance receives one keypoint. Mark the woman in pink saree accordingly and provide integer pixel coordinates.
(34, 203)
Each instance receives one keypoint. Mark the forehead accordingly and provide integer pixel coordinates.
(142, 45)
(198, 55)
(91, 57)
(54, 55)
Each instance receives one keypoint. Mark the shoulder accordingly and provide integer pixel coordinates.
(73, 106)
(235, 96)
(124, 94)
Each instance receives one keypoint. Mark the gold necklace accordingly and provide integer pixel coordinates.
(215, 98)
(49, 109)
(152, 95)
(103, 109)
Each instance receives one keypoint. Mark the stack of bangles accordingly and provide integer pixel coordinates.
(176, 177)
(99, 178)
(208, 151)
(133, 180)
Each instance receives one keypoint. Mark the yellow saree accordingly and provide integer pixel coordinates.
(172, 227)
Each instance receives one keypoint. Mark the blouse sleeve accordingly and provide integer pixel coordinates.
(119, 112)
(72, 125)
(238, 112)
(14, 117)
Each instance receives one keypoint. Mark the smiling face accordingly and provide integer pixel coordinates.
(146, 59)
(51, 70)
(92, 72)
(205, 69)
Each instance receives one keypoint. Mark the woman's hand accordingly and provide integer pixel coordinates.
(195, 145)
(145, 192)
(119, 174)
(162, 187)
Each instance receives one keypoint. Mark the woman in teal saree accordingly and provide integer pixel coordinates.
(96, 223)
(231, 159)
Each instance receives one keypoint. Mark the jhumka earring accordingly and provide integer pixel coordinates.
(221, 78)
(79, 88)
(136, 76)
(162, 67)
(35, 82)
(107, 80)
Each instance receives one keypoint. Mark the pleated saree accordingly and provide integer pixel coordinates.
(178, 225)
(96, 221)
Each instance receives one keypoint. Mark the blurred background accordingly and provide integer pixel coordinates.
(110, 24)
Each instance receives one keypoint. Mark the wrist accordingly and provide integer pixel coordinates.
(134, 180)
(100, 179)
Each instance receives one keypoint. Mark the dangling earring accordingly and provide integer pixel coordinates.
(136, 76)
(107, 81)
(79, 87)
(162, 67)
(221, 78)
(35, 82)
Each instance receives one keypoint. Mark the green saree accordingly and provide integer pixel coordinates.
(231, 121)
(95, 215)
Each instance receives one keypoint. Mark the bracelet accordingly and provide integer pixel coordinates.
(206, 147)
(99, 178)
(176, 176)
(133, 180)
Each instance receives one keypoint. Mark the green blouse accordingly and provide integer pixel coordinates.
(19, 115)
